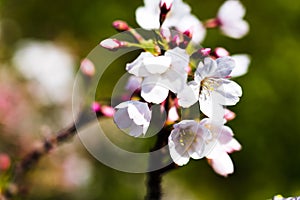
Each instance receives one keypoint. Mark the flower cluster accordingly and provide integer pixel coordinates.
(174, 72)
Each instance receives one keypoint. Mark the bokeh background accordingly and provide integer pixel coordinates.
(268, 115)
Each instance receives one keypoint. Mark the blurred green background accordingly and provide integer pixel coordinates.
(268, 115)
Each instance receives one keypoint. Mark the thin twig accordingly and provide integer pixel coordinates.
(31, 159)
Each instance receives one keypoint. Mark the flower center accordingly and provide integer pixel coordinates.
(186, 137)
(208, 85)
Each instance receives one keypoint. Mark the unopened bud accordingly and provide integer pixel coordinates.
(87, 67)
(4, 162)
(205, 51)
(96, 107)
(220, 52)
(112, 44)
(165, 7)
(108, 111)
(188, 33)
(212, 23)
(120, 25)
(166, 4)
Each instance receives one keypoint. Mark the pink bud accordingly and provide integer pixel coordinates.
(165, 7)
(108, 111)
(112, 44)
(120, 25)
(229, 115)
(212, 23)
(220, 52)
(188, 33)
(96, 107)
(87, 67)
(4, 162)
(205, 51)
(166, 4)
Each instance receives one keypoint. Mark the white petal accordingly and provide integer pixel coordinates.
(189, 95)
(137, 67)
(191, 23)
(228, 93)
(153, 91)
(222, 165)
(180, 59)
(135, 130)
(242, 62)
(236, 29)
(231, 10)
(138, 115)
(121, 118)
(133, 83)
(157, 65)
(221, 162)
(172, 114)
(147, 18)
(205, 69)
(225, 65)
(232, 145)
(211, 107)
(173, 80)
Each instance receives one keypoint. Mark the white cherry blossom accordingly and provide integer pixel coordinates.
(160, 73)
(179, 17)
(49, 67)
(191, 139)
(212, 87)
(133, 117)
(187, 140)
(230, 17)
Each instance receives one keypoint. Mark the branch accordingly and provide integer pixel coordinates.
(31, 159)
(154, 179)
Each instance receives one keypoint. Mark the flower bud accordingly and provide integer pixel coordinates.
(220, 52)
(120, 25)
(96, 107)
(4, 162)
(108, 111)
(87, 67)
(112, 44)
(165, 7)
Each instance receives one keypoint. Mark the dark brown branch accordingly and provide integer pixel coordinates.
(154, 178)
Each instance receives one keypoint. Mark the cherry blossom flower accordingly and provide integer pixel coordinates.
(225, 143)
(160, 74)
(230, 16)
(179, 16)
(133, 117)
(191, 139)
(50, 67)
(212, 87)
(187, 140)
